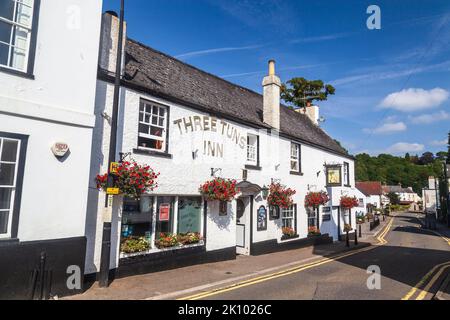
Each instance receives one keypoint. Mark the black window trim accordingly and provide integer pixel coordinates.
(29, 73)
(19, 183)
(347, 166)
(155, 153)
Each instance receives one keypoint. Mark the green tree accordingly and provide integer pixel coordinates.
(297, 92)
(393, 198)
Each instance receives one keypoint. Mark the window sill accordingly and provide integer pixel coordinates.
(296, 173)
(152, 153)
(8, 241)
(286, 238)
(156, 250)
(252, 167)
(347, 185)
(17, 73)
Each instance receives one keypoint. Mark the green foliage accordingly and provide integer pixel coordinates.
(393, 198)
(298, 91)
(408, 171)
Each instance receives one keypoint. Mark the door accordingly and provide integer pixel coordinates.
(243, 226)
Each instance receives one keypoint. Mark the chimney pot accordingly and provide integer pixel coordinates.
(271, 67)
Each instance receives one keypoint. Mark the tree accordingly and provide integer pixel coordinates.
(298, 92)
(426, 158)
(441, 155)
(393, 198)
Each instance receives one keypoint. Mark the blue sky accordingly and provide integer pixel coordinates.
(392, 85)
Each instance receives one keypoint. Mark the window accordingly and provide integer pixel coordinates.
(361, 202)
(137, 216)
(16, 21)
(9, 163)
(295, 157)
(189, 214)
(288, 217)
(164, 215)
(252, 150)
(152, 126)
(312, 217)
(346, 174)
(333, 175)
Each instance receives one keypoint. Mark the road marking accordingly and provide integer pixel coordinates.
(283, 273)
(422, 281)
(425, 290)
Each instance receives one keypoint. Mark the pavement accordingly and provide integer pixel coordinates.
(412, 262)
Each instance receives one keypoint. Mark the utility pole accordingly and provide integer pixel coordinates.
(107, 214)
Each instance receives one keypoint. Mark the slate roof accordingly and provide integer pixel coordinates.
(396, 189)
(370, 188)
(167, 77)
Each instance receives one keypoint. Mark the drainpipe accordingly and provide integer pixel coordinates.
(106, 238)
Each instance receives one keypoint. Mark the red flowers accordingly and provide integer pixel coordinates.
(349, 202)
(316, 199)
(219, 189)
(280, 196)
(132, 179)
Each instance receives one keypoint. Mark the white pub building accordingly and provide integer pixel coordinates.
(192, 126)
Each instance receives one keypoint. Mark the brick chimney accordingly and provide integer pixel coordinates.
(271, 85)
(109, 37)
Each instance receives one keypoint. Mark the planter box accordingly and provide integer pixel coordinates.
(286, 237)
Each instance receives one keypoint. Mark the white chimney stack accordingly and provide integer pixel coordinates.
(109, 38)
(312, 112)
(271, 85)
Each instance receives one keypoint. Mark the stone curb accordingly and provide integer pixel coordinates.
(440, 294)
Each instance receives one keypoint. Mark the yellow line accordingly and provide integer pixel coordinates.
(425, 290)
(422, 281)
(283, 273)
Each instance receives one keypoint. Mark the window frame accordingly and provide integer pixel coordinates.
(298, 160)
(346, 178)
(293, 218)
(26, 72)
(253, 165)
(19, 172)
(165, 135)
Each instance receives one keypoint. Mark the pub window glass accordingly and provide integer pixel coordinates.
(311, 217)
(189, 214)
(163, 224)
(137, 217)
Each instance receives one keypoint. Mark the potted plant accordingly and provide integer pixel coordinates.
(313, 231)
(280, 196)
(166, 240)
(134, 244)
(189, 238)
(288, 233)
(131, 178)
(219, 189)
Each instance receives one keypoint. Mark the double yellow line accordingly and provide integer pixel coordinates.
(380, 238)
(437, 271)
(283, 273)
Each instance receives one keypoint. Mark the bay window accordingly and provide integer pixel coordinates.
(16, 31)
(152, 131)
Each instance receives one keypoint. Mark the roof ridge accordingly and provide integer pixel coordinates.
(194, 67)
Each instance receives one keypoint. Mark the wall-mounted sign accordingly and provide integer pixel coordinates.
(262, 219)
(333, 175)
(60, 149)
(326, 217)
(223, 208)
(112, 191)
(113, 167)
(326, 209)
(274, 212)
(164, 211)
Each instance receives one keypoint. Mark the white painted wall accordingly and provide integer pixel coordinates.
(182, 175)
(56, 106)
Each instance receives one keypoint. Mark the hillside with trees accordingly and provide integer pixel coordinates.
(409, 171)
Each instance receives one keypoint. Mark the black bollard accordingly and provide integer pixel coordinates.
(360, 233)
(347, 240)
(356, 238)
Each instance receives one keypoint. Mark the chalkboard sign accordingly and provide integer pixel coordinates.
(274, 212)
(262, 219)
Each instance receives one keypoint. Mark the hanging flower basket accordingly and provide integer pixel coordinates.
(219, 189)
(132, 179)
(316, 199)
(349, 202)
(280, 196)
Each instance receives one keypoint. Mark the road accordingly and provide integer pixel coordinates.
(412, 262)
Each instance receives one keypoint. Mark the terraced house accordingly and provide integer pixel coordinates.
(192, 126)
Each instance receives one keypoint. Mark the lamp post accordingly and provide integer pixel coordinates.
(107, 217)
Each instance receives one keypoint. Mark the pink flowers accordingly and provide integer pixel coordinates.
(280, 196)
(132, 179)
(316, 199)
(219, 189)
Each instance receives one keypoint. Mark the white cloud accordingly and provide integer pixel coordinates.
(214, 50)
(403, 147)
(387, 128)
(430, 118)
(414, 99)
(438, 143)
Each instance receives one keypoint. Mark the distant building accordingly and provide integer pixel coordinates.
(373, 192)
(406, 196)
(430, 196)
